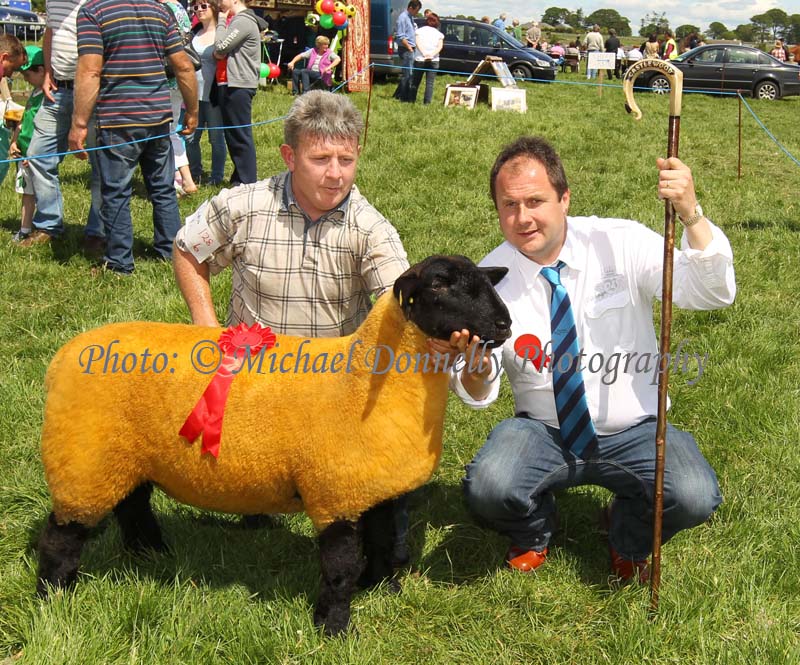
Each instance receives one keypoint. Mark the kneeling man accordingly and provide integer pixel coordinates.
(581, 289)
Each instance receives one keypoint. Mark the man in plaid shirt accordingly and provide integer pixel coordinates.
(307, 250)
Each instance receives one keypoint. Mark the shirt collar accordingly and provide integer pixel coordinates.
(572, 253)
(289, 204)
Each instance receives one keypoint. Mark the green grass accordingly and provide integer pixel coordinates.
(730, 588)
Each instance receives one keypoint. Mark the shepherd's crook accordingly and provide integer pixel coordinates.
(675, 77)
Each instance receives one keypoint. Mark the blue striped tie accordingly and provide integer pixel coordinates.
(577, 431)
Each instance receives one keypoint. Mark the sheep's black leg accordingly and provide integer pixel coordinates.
(341, 565)
(379, 535)
(60, 548)
(139, 527)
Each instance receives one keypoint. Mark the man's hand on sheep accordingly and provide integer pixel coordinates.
(476, 373)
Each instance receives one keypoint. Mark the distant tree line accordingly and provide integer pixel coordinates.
(772, 24)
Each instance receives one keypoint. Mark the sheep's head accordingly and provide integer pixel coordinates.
(446, 293)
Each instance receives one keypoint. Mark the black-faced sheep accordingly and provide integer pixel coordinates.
(297, 435)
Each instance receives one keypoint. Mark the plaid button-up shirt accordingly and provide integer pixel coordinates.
(298, 276)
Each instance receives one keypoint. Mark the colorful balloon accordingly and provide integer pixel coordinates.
(338, 6)
(343, 26)
(274, 71)
(326, 21)
(339, 19)
(327, 7)
(264, 71)
(318, 6)
(350, 10)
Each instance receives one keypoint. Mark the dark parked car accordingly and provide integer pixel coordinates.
(25, 25)
(728, 68)
(466, 43)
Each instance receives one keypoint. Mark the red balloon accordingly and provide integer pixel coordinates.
(274, 71)
(327, 6)
(339, 18)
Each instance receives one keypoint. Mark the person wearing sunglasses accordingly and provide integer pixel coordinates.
(210, 116)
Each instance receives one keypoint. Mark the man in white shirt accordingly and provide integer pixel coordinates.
(60, 46)
(611, 271)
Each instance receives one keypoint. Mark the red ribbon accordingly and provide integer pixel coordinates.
(206, 417)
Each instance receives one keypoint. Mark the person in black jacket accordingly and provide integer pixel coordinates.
(612, 46)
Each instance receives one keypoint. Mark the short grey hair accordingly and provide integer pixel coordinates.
(322, 115)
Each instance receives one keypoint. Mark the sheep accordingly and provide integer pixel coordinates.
(340, 445)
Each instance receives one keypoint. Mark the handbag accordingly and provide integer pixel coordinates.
(194, 56)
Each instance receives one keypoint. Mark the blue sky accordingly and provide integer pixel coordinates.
(679, 12)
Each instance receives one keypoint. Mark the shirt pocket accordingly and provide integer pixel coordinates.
(610, 322)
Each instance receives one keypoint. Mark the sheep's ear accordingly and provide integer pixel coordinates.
(405, 288)
(495, 274)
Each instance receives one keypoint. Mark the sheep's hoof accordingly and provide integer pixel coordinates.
(335, 623)
(258, 522)
(393, 585)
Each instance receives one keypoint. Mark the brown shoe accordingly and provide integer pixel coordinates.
(525, 560)
(36, 238)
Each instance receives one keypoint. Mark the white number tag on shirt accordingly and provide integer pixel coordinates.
(198, 237)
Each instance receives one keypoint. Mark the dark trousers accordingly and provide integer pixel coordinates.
(237, 112)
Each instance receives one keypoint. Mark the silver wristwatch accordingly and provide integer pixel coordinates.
(696, 217)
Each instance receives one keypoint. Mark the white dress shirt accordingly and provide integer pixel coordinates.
(612, 275)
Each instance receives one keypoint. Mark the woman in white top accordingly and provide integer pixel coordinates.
(426, 56)
(210, 115)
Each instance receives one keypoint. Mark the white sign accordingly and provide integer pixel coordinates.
(599, 60)
(509, 99)
(198, 237)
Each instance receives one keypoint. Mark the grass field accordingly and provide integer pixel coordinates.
(730, 589)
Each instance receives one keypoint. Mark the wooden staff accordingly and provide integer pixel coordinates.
(675, 77)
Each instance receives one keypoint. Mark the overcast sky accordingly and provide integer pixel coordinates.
(679, 12)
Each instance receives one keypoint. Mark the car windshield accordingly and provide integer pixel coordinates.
(683, 57)
(511, 40)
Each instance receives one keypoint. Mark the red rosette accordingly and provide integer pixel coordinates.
(235, 343)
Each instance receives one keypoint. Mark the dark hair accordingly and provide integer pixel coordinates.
(538, 149)
(414, 4)
(433, 20)
(652, 37)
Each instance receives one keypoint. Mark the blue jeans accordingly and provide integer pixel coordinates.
(209, 116)
(403, 92)
(117, 165)
(511, 481)
(51, 128)
(303, 79)
(430, 76)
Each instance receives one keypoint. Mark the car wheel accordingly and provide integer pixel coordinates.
(660, 85)
(768, 90)
(521, 72)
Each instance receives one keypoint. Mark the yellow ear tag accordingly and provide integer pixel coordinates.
(400, 298)
(410, 301)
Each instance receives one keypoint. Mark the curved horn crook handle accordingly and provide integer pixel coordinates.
(669, 70)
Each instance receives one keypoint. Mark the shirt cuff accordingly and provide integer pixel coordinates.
(458, 388)
(714, 264)
(719, 244)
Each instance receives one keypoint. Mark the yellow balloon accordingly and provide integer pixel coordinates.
(339, 7)
(350, 10)
(318, 7)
